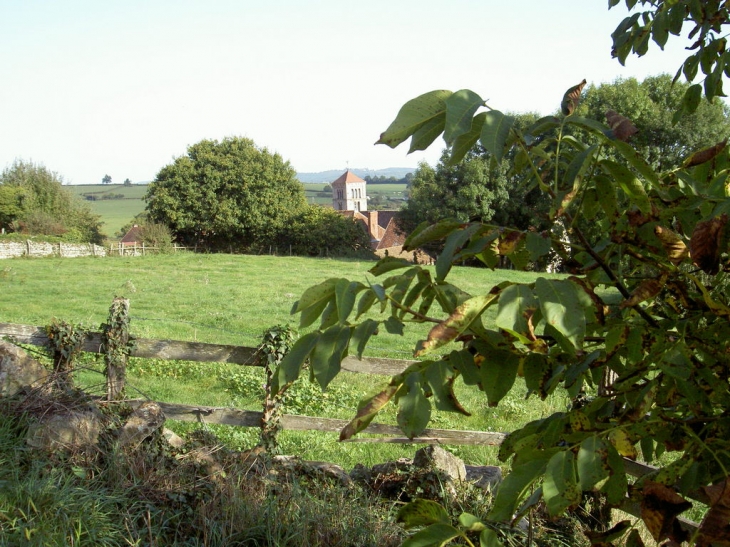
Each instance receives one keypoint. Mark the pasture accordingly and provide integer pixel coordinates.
(232, 299)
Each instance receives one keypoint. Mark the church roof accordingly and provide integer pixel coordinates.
(348, 176)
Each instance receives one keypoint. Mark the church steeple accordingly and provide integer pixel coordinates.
(349, 193)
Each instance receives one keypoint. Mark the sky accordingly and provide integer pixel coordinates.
(91, 88)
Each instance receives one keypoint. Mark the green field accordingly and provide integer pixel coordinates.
(232, 299)
(114, 213)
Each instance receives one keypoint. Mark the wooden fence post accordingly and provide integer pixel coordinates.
(116, 341)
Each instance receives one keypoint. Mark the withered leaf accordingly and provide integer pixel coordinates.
(508, 242)
(660, 506)
(705, 155)
(644, 291)
(571, 98)
(370, 408)
(715, 527)
(705, 245)
(622, 127)
(672, 243)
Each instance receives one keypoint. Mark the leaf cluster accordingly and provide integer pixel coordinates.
(646, 306)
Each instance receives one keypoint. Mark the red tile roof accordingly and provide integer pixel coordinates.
(348, 176)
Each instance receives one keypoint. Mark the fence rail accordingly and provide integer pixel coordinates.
(241, 355)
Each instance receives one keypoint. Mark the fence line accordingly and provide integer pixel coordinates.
(202, 352)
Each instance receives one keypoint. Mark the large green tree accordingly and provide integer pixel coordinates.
(651, 105)
(227, 194)
(34, 201)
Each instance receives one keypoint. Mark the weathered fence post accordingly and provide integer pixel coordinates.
(116, 341)
(64, 341)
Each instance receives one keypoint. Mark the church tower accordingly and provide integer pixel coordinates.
(349, 193)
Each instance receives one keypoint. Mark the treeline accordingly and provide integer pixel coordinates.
(381, 179)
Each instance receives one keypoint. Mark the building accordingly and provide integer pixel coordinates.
(349, 196)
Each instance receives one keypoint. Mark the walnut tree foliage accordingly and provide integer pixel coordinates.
(646, 307)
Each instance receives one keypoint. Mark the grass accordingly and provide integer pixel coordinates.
(232, 299)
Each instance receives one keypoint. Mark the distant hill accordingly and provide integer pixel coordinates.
(329, 176)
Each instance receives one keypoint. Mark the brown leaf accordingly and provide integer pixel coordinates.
(508, 242)
(571, 98)
(715, 527)
(369, 409)
(672, 243)
(622, 127)
(705, 155)
(660, 506)
(644, 291)
(705, 245)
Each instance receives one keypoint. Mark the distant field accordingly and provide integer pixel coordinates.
(114, 213)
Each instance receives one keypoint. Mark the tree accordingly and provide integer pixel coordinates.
(127, 182)
(106, 180)
(320, 231)
(227, 194)
(650, 105)
(648, 307)
(34, 201)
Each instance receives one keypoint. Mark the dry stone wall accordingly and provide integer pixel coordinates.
(13, 249)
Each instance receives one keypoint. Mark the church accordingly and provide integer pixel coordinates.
(349, 197)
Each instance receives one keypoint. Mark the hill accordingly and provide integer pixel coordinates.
(332, 174)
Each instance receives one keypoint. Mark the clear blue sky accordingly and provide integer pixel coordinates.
(122, 88)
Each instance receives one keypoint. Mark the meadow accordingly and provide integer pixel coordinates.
(233, 299)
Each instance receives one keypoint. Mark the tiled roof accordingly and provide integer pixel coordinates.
(133, 235)
(348, 176)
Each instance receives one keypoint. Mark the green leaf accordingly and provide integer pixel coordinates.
(312, 313)
(537, 372)
(362, 334)
(345, 292)
(495, 132)
(414, 410)
(561, 308)
(513, 488)
(440, 379)
(692, 98)
(592, 126)
(616, 486)
(465, 142)
(515, 307)
(290, 366)
(414, 114)
(424, 136)
(393, 326)
(499, 371)
(637, 161)
(456, 324)
(366, 302)
(537, 245)
(471, 522)
(388, 264)
(435, 535)
(463, 361)
(489, 538)
(560, 488)
(460, 109)
(454, 242)
(328, 353)
(592, 462)
(427, 232)
(629, 183)
(315, 295)
(422, 512)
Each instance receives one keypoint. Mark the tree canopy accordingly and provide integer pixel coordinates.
(651, 105)
(34, 201)
(227, 194)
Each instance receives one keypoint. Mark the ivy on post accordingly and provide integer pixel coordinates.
(64, 342)
(117, 344)
(277, 341)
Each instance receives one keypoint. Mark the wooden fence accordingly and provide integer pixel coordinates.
(245, 356)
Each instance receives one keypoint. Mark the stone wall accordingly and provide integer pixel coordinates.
(12, 249)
